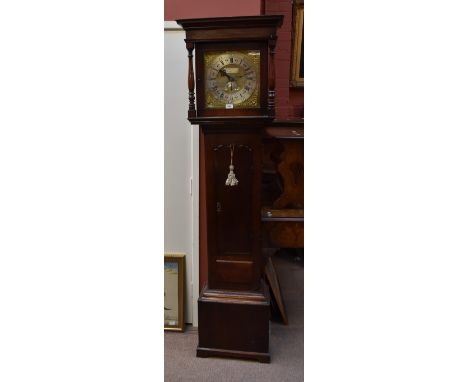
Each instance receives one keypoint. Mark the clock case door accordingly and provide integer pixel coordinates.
(233, 212)
(262, 80)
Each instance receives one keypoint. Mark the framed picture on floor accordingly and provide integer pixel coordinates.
(174, 276)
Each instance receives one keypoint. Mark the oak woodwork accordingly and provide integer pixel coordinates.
(234, 324)
(291, 170)
(234, 33)
(273, 280)
(234, 303)
(191, 81)
(234, 227)
(283, 218)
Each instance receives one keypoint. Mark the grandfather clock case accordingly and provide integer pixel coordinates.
(231, 87)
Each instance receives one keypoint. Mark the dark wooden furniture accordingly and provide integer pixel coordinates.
(234, 68)
(283, 211)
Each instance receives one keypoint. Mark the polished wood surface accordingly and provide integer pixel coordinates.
(234, 303)
(283, 214)
(234, 230)
(234, 324)
(291, 170)
(285, 234)
(231, 28)
(283, 217)
(234, 33)
(210, 352)
(191, 80)
(285, 132)
(273, 281)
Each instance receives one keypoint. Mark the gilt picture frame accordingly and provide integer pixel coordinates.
(174, 277)
(297, 51)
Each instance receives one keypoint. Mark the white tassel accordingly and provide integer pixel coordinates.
(231, 179)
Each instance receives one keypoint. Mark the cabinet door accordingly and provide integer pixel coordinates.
(233, 212)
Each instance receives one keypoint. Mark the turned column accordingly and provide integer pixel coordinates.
(271, 76)
(191, 80)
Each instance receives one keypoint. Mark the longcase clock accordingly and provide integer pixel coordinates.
(232, 98)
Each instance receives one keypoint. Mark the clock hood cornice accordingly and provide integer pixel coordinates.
(221, 28)
(231, 22)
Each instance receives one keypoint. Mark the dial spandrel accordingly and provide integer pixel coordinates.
(232, 79)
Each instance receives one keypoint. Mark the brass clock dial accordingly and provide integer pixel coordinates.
(232, 79)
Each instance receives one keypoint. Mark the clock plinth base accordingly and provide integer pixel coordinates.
(234, 324)
(260, 357)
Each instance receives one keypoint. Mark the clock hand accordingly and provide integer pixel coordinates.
(223, 72)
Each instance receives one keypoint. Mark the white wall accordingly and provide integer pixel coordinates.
(180, 168)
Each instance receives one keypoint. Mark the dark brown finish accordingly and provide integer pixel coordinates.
(285, 132)
(284, 214)
(254, 26)
(283, 224)
(191, 82)
(209, 352)
(273, 281)
(203, 244)
(291, 169)
(234, 304)
(229, 121)
(284, 234)
(233, 33)
(234, 324)
(233, 223)
(283, 220)
(235, 271)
